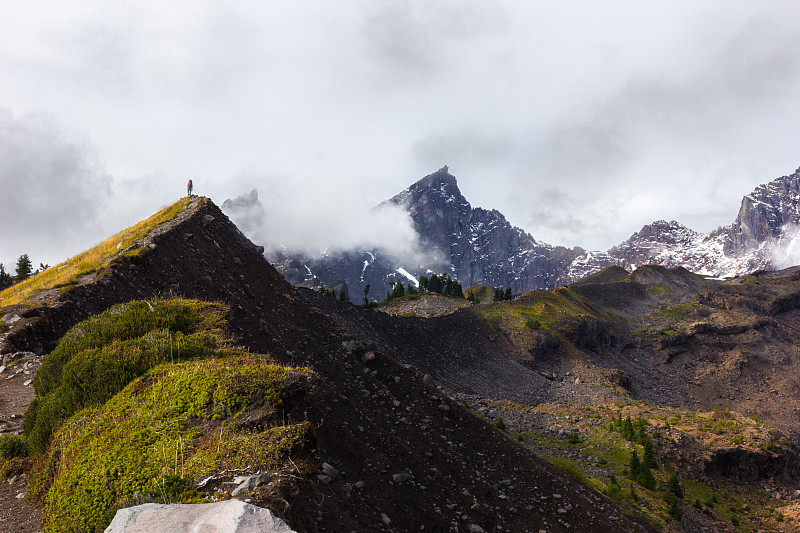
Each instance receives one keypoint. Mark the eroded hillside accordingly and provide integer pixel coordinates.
(709, 367)
(401, 455)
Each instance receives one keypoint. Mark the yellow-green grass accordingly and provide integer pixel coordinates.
(92, 260)
(142, 401)
(542, 309)
(605, 444)
(605, 275)
(100, 356)
(481, 292)
(161, 435)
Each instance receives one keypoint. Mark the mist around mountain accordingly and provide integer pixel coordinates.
(479, 247)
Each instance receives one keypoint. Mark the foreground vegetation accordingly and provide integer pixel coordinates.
(143, 401)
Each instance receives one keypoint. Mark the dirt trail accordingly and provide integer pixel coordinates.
(15, 513)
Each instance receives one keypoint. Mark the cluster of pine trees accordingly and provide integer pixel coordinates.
(23, 271)
(398, 290)
(639, 470)
(332, 292)
(442, 285)
(501, 296)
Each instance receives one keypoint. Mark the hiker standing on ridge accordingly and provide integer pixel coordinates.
(189, 188)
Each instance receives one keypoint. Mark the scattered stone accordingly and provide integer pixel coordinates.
(401, 477)
(329, 471)
(11, 318)
(21, 495)
(474, 528)
(28, 382)
(386, 520)
(231, 516)
(249, 483)
(359, 484)
(368, 357)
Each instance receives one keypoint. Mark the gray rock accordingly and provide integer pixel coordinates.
(474, 528)
(329, 471)
(231, 516)
(249, 483)
(11, 318)
(401, 477)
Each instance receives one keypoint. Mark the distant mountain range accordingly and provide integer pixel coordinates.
(480, 247)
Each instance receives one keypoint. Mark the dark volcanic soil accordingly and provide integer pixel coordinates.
(408, 458)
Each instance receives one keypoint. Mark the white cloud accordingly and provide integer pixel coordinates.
(580, 121)
(52, 189)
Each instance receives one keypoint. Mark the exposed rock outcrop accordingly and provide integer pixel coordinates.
(231, 516)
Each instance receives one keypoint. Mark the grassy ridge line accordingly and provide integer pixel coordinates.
(92, 260)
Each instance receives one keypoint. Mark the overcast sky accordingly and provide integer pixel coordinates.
(580, 121)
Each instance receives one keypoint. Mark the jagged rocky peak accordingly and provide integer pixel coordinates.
(248, 214)
(671, 232)
(436, 206)
(440, 189)
(764, 213)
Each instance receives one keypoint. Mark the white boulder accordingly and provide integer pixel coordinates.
(231, 516)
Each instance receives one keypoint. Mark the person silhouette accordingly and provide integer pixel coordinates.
(189, 188)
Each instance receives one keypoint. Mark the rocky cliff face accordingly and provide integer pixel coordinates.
(473, 245)
(480, 247)
(763, 237)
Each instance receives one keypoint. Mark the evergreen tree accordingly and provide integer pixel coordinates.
(435, 284)
(6, 280)
(507, 295)
(411, 289)
(342, 296)
(627, 429)
(635, 466)
(674, 486)
(649, 458)
(646, 478)
(399, 291)
(675, 510)
(640, 431)
(471, 297)
(24, 268)
(423, 284)
(366, 291)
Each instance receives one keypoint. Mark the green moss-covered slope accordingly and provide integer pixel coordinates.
(143, 401)
(100, 356)
(162, 434)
